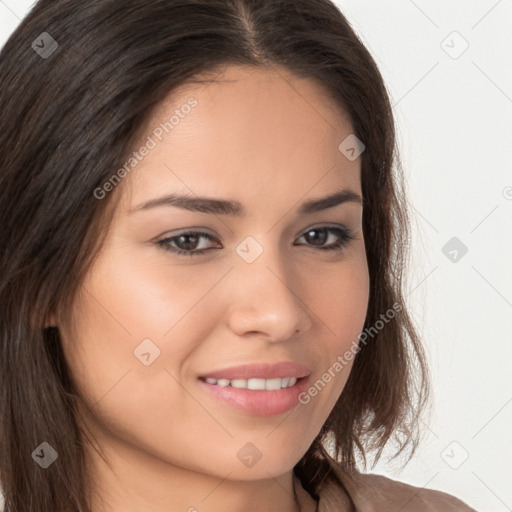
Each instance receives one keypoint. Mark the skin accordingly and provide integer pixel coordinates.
(270, 141)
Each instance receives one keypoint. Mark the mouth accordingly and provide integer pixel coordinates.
(256, 396)
(255, 384)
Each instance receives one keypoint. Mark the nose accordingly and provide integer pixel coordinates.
(266, 299)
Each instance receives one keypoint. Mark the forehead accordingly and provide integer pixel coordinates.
(257, 135)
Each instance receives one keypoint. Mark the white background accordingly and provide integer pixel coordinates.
(454, 127)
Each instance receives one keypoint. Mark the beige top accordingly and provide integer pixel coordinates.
(356, 492)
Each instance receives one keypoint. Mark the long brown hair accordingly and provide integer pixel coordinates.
(70, 117)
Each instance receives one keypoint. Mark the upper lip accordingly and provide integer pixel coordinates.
(260, 370)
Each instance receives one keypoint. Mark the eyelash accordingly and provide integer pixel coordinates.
(345, 236)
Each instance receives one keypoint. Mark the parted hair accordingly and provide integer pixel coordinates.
(70, 118)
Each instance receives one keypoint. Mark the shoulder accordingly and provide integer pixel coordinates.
(372, 493)
(379, 490)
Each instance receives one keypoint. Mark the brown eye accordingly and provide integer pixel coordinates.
(190, 243)
(318, 237)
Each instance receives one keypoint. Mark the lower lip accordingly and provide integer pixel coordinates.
(258, 402)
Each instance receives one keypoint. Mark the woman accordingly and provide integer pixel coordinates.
(201, 263)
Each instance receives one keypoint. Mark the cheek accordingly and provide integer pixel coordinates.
(340, 300)
(122, 306)
(149, 299)
(128, 309)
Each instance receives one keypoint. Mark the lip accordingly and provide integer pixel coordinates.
(260, 371)
(261, 403)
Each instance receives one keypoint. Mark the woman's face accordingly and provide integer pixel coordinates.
(150, 324)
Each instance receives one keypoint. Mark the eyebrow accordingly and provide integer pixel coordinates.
(236, 209)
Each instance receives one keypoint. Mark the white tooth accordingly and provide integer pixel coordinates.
(239, 383)
(256, 383)
(272, 384)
